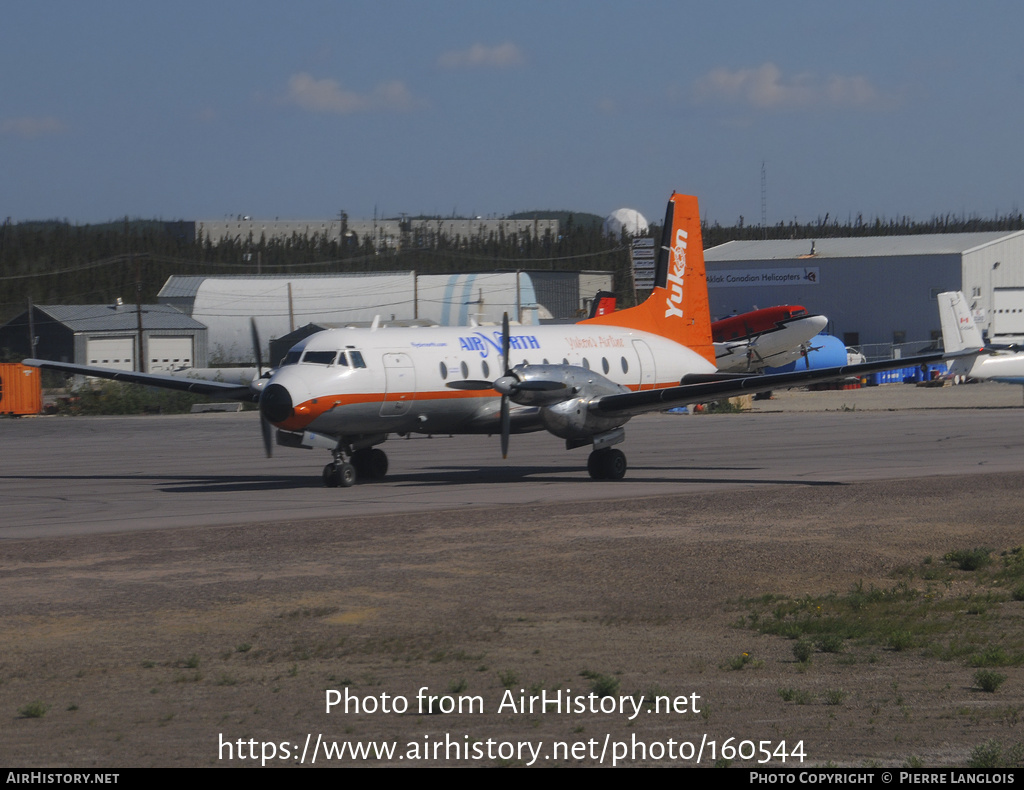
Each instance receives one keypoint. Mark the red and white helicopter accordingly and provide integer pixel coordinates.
(347, 390)
(767, 338)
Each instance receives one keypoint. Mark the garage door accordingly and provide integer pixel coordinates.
(169, 353)
(111, 352)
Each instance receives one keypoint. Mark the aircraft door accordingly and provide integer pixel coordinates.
(400, 385)
(648, 374)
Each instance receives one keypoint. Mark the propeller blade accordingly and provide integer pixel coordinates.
(256, 347)
(505, 343)
(265, 427)
(470, 384)
(506, 424)
(539, 386)
(268, 439)
(506, 421)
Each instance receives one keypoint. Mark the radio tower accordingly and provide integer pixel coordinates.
(764, 203)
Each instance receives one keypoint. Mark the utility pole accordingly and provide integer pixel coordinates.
(31, 329)
(140, 363)
(764, 202)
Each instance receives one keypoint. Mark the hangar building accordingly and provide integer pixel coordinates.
(282, 303)
(107, 336)
(876, 289)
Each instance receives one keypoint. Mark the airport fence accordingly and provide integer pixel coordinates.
(877, 352)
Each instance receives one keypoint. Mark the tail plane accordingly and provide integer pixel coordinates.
(959, 332)
(678, 306)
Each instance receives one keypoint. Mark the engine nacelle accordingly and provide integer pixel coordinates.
(571, 418)
(542, 385)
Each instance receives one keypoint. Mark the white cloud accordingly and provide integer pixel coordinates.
(501, 56)
(766, 87)
(329, 96)
(851, 91)
(30, 128)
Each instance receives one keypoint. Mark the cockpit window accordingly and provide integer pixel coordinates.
(357, 359)
(342, 359)
(319, 357)
(291, 358)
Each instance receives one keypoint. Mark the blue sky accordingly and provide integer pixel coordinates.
(201, 110)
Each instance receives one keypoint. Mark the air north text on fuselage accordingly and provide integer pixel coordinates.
(483, 344)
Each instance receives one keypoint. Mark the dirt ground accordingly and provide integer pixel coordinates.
(221, 646)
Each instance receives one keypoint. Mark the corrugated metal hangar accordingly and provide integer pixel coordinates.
(875, 289)
(107, 336)
(282, 303)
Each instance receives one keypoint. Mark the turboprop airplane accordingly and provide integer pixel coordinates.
(970, 358)
(347, 390)
(767, 338)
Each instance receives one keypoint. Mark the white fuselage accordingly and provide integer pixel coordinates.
(772, 348)
(345, 382)
(1004, 366)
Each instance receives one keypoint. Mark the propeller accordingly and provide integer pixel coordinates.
(265, 427)
(508, 385)
(752, 351)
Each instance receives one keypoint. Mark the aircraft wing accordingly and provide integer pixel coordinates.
(183, 383)
(718, 386)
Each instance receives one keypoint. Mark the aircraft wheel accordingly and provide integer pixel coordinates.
(607, 464)
(346, 475)
(615, 465)
(378, 464)
(370, 464)
(331, 476)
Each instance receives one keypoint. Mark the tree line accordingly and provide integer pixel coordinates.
(56, 262)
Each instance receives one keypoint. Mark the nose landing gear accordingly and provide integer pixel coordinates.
(369, 463)
(339, 474)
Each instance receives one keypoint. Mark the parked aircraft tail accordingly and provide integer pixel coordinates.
(678, 306)
(959, 332)
(603, 304)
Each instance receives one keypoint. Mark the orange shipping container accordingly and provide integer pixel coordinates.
(20, 390)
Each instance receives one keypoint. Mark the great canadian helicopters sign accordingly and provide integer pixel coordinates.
(738, 278)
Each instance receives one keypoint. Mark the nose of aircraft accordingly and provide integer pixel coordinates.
(276, 403)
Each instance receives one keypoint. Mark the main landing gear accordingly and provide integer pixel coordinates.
(607, 464)
(369, 463)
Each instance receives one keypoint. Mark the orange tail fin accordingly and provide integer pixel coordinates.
(678, 306)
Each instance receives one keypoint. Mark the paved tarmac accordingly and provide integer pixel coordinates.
(89, 475)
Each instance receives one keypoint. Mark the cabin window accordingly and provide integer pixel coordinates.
(444, 371)
(465, 370)
(319, 357)
(486, 369)
(604, 364)
(625, 365)
(586, 363)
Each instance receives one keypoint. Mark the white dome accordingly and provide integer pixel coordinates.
(627, 219)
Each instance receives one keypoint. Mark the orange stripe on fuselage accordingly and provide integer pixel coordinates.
(308, 411)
